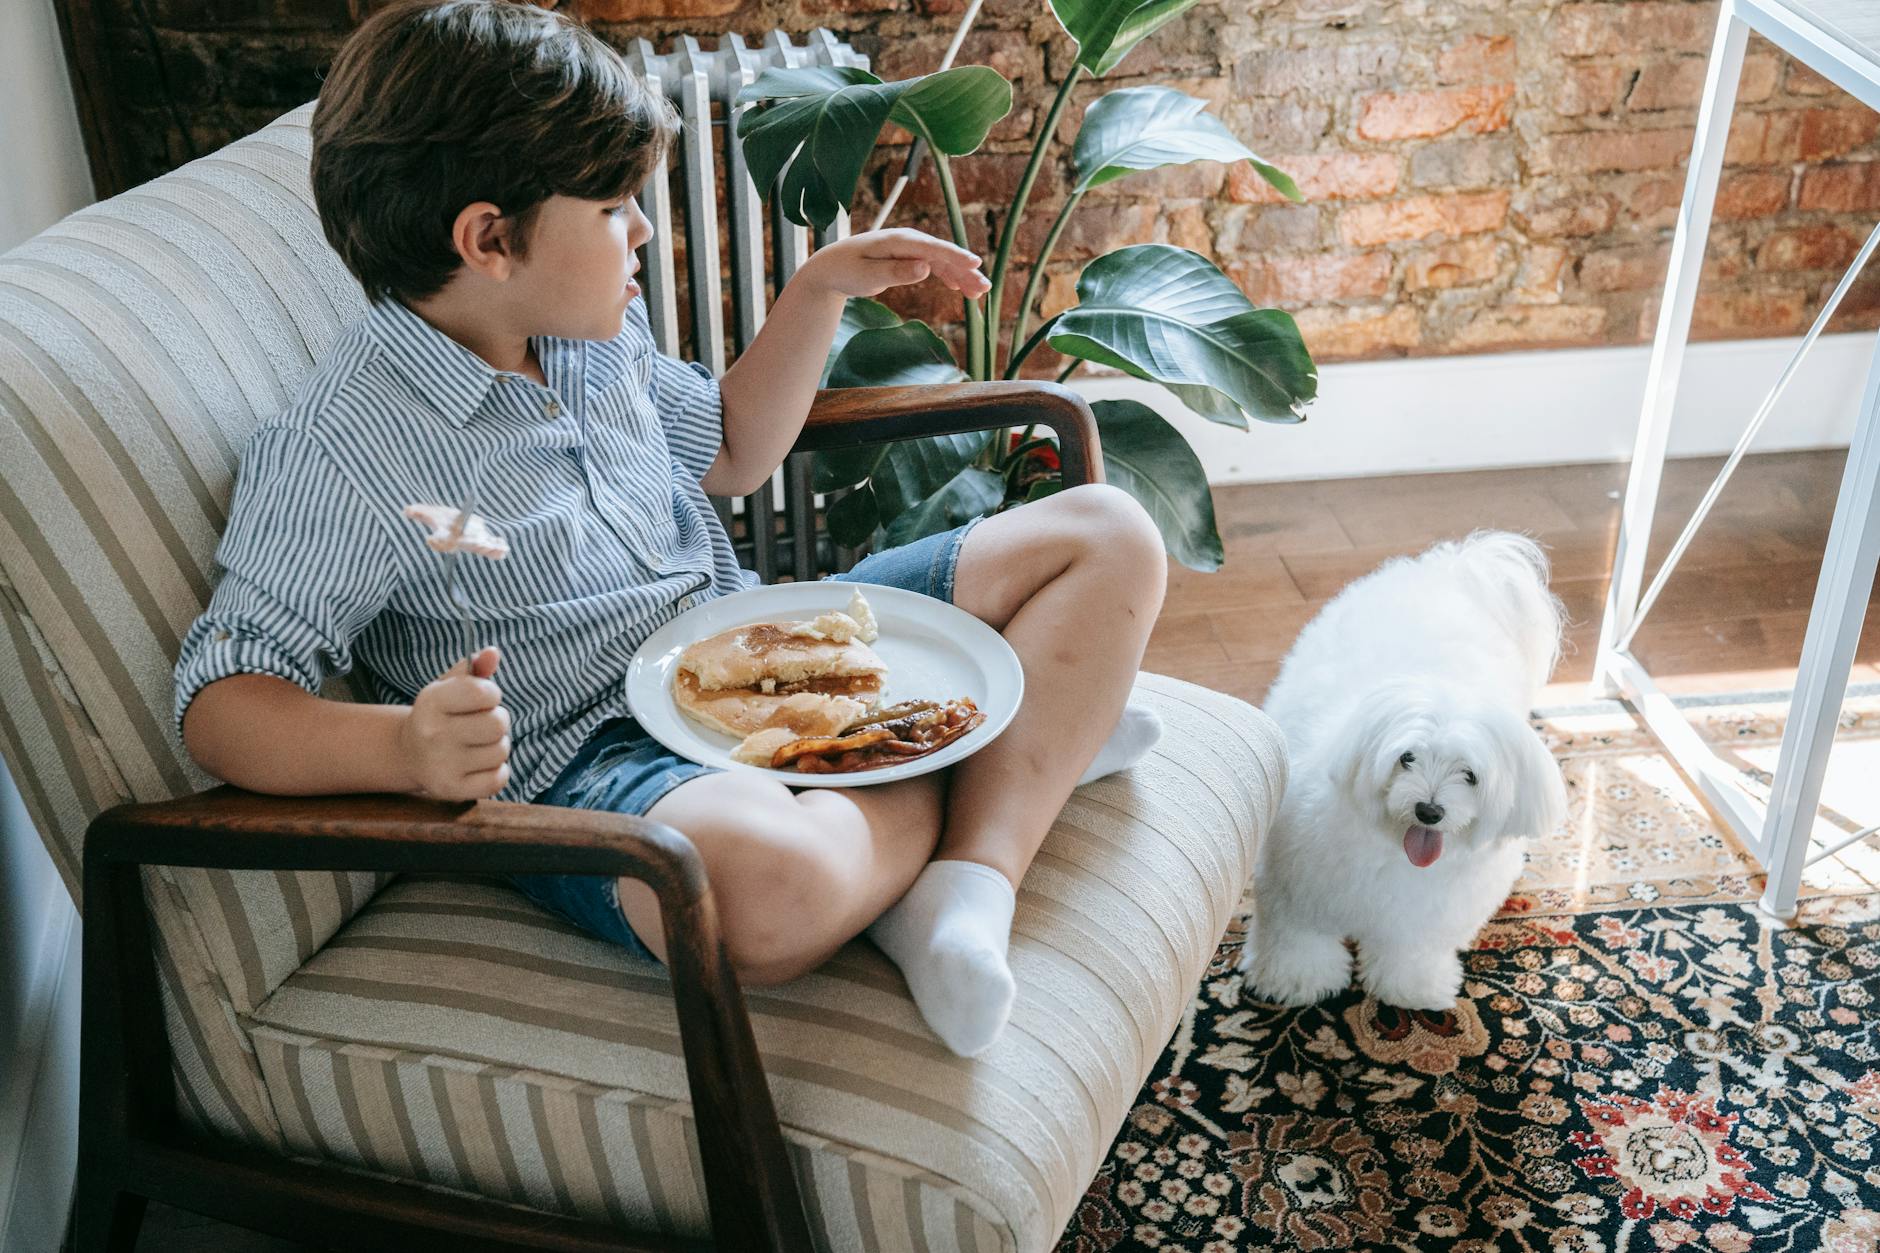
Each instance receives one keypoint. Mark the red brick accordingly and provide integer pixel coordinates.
(1589, 89)
(1334, 334)
(1675, 84)
(1095, 227)
(641, 10)
(1188, 228)
(1758, 83)
(1679, 83)
(1756, 194)
(1586, 152)
(1818, 247)
(1479, 58)
(1531, 326)
(1538, 282)
(1329, 69)
(1591, 30)
(1463, 263)
(1850, 188)
(1420, 216)
(1798, 135)
(909, 56)
(1313, 278)
(1561, 217)
(1421, 114)
(1802, 81)
(1631, 267)
(1653, 201)
(1333, 176)
(980, 178)
(1741, 313)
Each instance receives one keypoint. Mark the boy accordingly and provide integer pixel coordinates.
(474, 165)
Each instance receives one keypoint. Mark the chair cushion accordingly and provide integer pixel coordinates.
(454, 1034)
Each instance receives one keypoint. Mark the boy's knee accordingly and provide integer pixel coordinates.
(1119, 532)
(777, 890)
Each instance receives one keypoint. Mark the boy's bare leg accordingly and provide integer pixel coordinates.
(1074, 582)
(795, 876)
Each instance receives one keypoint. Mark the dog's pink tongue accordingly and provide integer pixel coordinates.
(1422, 845)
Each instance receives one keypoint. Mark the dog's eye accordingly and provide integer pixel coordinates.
(1468, 776)
(1408, 759)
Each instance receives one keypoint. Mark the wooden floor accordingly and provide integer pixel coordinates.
(1731, 619)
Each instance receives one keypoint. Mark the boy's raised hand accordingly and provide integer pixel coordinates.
(872, 262)
(456, 739)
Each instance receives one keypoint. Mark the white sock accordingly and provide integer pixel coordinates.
(949, 936)
(1135, 734)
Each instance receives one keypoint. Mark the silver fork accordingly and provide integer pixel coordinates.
(453, 576)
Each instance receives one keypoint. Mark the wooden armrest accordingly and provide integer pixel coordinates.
(750, 1187)
(843, 416)
(231, 829)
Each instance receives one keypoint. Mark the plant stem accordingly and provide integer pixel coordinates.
(976, 364)
(1010, 231)
(1037, 337)
(1023, 314)
(1068, 370)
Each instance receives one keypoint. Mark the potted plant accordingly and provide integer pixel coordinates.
(1154, 311)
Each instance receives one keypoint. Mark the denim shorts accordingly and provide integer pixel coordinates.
(620, 769)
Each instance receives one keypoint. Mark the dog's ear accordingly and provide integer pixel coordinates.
(1361, 751)
(1539, 800)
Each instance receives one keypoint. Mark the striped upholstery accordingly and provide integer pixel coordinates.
(140, 341)
(453, 1033)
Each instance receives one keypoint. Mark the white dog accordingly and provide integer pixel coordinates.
(1414, 774)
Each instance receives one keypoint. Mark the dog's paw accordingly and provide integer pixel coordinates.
(1295, 969)
(1430, 981)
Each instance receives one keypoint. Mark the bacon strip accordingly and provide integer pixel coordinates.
(927, 729)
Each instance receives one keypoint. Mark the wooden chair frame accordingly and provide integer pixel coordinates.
(132, 1145)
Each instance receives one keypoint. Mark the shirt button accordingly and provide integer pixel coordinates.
(552, 408)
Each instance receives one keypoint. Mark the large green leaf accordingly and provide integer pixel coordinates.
(1149, 459)
(895, 356)
(913, 469)
(969, 494)
(813, 128)
(1105, 30)
(1144, 128)
(1168, 315)
(874, 348)
(858, 314)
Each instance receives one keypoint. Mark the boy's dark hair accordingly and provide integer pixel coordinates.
(433, 106)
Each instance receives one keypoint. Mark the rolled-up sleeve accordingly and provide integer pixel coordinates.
(692, 410)
(306, 567)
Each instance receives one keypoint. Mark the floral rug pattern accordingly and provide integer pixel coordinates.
(1639, 1062)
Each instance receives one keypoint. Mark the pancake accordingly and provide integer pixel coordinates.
(800, 676)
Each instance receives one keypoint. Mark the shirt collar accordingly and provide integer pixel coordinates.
(455, 381)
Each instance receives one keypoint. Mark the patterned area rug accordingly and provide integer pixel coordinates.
(1640, 1062)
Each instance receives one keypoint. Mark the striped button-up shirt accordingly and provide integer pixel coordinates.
(592, 479)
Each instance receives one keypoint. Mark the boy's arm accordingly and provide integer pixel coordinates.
(768, 390)
(268, 735)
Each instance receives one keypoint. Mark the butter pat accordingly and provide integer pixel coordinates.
(840, 628)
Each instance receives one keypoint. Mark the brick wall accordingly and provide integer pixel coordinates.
(1480, 174)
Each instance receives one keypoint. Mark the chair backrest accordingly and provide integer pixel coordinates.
(141, 340)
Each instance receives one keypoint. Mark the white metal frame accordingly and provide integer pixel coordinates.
(1778, 834)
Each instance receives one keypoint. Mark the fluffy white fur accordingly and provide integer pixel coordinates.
(1438, 656)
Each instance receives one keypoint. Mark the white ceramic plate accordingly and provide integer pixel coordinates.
(933, 650)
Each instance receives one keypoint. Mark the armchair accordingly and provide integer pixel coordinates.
(332, 1015)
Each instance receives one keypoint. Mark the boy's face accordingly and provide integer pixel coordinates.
(575, 281)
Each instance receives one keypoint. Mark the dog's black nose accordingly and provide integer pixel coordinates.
(1429, 815)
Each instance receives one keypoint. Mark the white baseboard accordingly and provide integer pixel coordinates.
(1431, 414)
